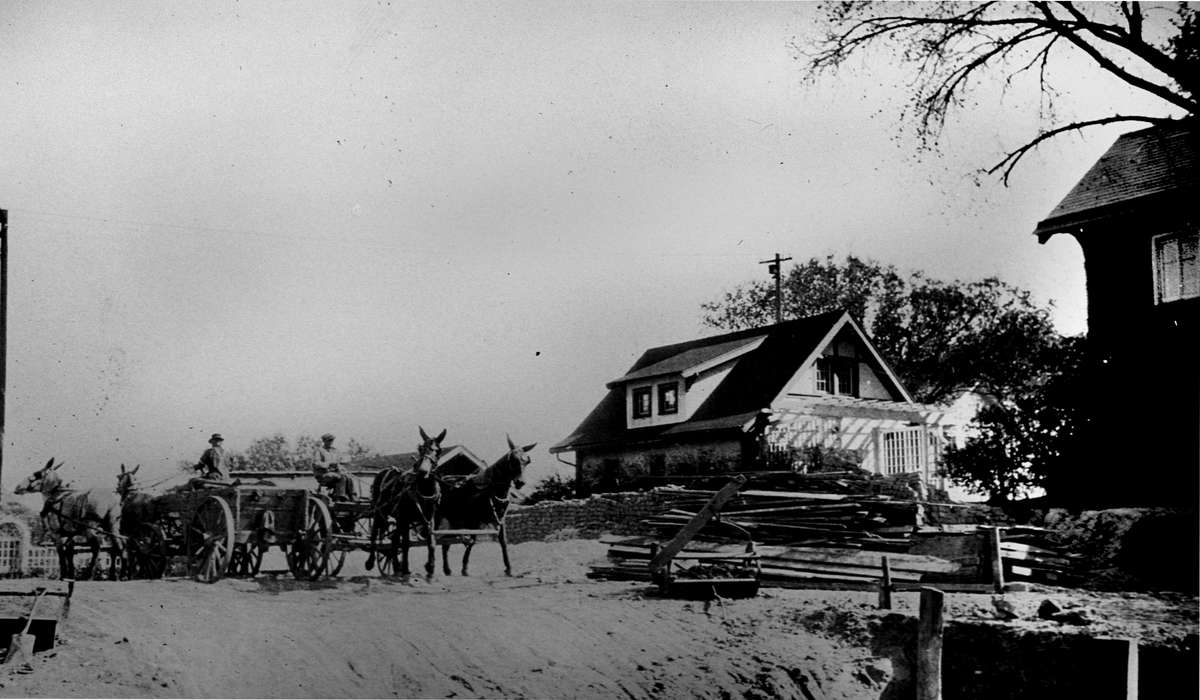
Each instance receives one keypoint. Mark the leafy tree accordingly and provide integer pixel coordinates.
(1031, 438)
(950, 47)
(275, 453)
(938, 336)
(552, 488)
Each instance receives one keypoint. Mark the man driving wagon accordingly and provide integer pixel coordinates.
(330, 472)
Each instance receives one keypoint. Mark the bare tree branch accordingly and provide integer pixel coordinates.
(1010, 161)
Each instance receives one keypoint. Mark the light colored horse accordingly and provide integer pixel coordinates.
(68, 513)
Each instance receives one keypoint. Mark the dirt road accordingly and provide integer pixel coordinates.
(547, 632)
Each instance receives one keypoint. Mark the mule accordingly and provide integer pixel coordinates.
(409, 498)
(481, 501)
(143, 555)
(67, 513)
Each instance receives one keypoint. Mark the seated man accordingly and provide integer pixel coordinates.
(213, 464)
(327, 468)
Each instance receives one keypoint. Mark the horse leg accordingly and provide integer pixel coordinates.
(429, 546)
(502, 536)
(405, 540)
(371, 555)
(94, 545)
(469, 542)
(446, 558)
(66, 557)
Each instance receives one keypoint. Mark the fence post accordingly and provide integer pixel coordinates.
(929, 645)
(997, 562)
(885, 586)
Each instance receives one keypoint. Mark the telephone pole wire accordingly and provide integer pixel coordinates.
(775, 268)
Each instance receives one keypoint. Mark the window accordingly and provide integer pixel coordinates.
(641, 402)
(902, 451)
(1176, 270)
(668, 399)
(837, 375)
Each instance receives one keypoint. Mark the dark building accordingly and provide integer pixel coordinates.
(1136, 215)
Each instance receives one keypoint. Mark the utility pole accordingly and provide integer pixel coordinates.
(3, 327)
(774, 267)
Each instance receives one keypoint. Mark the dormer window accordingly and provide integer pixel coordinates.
(1176, 268)
(668, 399)
(641, 402)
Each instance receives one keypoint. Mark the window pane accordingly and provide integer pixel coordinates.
(667, 399)
(641, 402)
(1189, 266)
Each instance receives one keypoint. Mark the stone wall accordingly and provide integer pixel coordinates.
(616, 513)
(609, 470)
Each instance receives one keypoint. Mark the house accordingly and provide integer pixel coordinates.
(762, 398)
(1136, 216)
(454, 461)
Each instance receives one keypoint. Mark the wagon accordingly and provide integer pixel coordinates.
(224, 529)
(352, 532)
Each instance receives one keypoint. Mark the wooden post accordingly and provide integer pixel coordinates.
(885, 586)
(929, 645)
(997, 562)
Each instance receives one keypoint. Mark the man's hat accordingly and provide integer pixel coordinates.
(327, 437)
(216, 437)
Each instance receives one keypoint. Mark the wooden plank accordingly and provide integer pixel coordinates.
(676, 545)
(929, 645)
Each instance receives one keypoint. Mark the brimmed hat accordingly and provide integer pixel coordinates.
(216, 437)
(327, 437)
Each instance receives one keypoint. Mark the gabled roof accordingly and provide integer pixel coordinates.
(407, 460)
(768, 359)
(694, 360)
(1140, 167)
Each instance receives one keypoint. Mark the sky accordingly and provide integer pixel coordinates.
(252, 218)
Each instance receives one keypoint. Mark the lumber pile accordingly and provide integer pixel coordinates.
(1029, 554)
(832, 530)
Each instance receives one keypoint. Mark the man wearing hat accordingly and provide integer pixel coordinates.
(327, 468)
(214, 462)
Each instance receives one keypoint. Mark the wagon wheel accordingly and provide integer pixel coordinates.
(147, 552)
(210, 540)
(247, 558)
(308, 555)
(361, 531)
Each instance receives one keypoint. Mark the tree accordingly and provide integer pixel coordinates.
(938, 336)
(951, 47)
(274, 453)
(1029, 439)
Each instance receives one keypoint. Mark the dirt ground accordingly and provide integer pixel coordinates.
(547, 632)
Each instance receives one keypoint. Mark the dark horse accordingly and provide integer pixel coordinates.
(409, 498)
(67, 513)
(481, 500)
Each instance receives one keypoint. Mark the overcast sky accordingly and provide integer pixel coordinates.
(248, 218)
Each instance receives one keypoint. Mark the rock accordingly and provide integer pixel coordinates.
(1002, 609)
(1048, 609)
(1073, 617)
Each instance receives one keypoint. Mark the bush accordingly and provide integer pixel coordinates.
(552, 488)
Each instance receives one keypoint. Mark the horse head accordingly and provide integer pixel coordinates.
(125, 483)
(428, 453)
(514, 463)
(45, 480)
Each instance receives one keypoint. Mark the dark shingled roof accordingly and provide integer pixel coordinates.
(1141, 166)
(753, 383)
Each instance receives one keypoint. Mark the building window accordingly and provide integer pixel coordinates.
(641, 402)
(668, 399)
(837, 375)
(1176, 269)
(902, 451)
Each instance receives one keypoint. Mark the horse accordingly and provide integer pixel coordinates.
(410, 498)
(137, 513)
(67, 513)
(482, 500)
